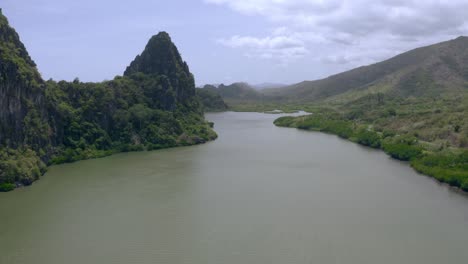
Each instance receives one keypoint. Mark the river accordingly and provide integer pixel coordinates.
(259, 194)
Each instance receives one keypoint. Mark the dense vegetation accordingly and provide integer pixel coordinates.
(128, 113)
(211, 99)
(446, 165)
(19, 166)
(154, 105)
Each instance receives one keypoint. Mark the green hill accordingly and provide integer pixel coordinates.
(427, 71)
(235, 95)
(239, 92)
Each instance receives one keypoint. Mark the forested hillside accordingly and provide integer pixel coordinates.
(154, 105)
(211, 99)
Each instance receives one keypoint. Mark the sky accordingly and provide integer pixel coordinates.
(225, 41)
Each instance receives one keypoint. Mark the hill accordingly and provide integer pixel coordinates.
(211, 99)
(267, 85)
(239, 92)
(234, 96)
(154, 105)
(426, 71)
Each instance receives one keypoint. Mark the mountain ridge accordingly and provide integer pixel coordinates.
(438, 61)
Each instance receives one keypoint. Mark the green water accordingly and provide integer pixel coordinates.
(259, 194)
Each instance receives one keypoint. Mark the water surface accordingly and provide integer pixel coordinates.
(259, 194)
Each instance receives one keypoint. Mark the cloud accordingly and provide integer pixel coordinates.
(275, 42)
(347, 31)
(360, 17)
(336, 59)
(279, 9)
(279, 45)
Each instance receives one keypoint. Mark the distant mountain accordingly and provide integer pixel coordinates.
(427, 71)
(238, 91)
(267, 85)
(222, 97)
(211, 99)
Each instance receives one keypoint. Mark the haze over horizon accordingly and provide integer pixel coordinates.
(226, 41)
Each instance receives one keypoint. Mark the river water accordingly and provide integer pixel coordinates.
(259, 194)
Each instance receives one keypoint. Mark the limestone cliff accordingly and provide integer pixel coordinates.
(22, 103)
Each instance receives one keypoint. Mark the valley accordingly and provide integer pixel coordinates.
(302, 132)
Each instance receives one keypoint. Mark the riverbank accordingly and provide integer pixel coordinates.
(268, 194)
(447, 165)
(22, 167)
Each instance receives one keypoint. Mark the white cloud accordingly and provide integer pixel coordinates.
(347, 31)
(274, 42)
(336, 59)
(280, 9)
(360, 16)
(279, 45)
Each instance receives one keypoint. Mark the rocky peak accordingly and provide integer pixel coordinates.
(161, 57)
(14, 56)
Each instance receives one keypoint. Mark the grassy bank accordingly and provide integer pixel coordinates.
(446, 165)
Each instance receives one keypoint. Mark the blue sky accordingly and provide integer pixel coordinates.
(223, 41)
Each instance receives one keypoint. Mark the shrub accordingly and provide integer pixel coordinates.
(446, 167)
(285, 121)
(6, 187)
(20, 165)
(402, 151)
(388, 133)
(319, 122)
(368, 138)
(464, 185)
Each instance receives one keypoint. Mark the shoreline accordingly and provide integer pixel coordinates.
(418, 168)
(104, 154)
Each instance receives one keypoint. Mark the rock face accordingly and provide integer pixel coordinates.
(161, 57)
(154, 105)
(21, 91)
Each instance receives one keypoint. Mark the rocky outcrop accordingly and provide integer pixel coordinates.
(161, 57)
